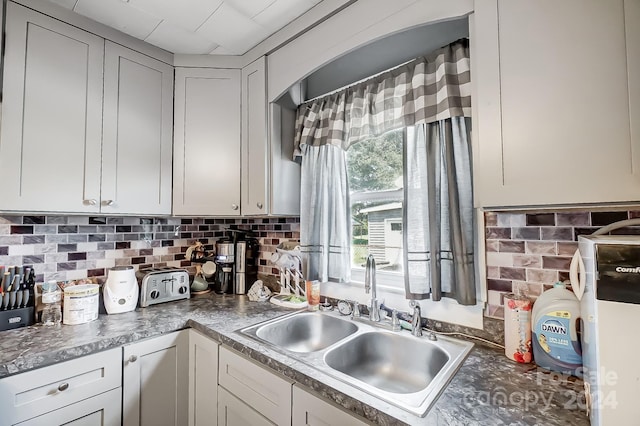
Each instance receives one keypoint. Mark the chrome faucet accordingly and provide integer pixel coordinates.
(416, 320)
(370, 286)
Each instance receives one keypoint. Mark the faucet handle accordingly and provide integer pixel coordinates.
(355, 312)
(395, 322)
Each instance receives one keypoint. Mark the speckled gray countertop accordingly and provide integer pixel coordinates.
(488, 389)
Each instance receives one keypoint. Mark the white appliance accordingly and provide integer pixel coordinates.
(610, 310)
(121, 290)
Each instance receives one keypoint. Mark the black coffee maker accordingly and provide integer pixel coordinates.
(236, 262)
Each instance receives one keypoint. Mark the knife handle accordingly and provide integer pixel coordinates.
(18, 299)
(12, 299)
(25, 298)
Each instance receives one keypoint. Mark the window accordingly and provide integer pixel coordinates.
(375, 169)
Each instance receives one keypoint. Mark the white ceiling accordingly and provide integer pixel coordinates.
(218, 27)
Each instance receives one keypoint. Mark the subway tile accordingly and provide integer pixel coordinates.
(67, 229)
(47, 248)
(567, 248)
(32, 259)
(55, 258)
(115, 220)
(87, 246)
(77, 256)
(33, 220)
(6, 229)
(492, 271)
(21, 250)
(123, 228)
(56, 238)
(606, 218)
(123, 261)
(95, 255)
(56, 220)
(22, 229)
(146, 252)
(11, 220)
(10, 240)
(541, 219)
(573, 219)
(106, 229)
(67, 247)
(78, 238)
(96, 237)
(87, 229)
(511, 220)
(146, 221)
(78, 220)
(115, 237)
(97, 220)
(96, 272)
(557, 234)
(535, 247)
(45, 229)
(33, 239)
(542, 276)
(507, 273)
(66, 266)
(498, 285)
(556, 262)
(106, 246)
(123, 245)
(4, 251)
(532, 233)
(527, 261)
(511, 246)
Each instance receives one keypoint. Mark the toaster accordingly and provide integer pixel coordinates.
(160, 285)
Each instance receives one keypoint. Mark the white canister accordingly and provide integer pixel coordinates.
(80, 304)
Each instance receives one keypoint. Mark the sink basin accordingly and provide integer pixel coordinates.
(389, 362)
(305, 332)
(406, 371)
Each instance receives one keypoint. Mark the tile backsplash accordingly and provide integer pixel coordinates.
(73, 247)
(530, 251)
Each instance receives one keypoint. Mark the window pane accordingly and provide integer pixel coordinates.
(375, 180)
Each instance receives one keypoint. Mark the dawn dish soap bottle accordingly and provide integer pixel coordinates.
(556, 344)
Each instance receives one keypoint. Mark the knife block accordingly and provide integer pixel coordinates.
(15, 318)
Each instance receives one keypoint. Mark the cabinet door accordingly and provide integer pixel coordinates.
(155, 381)
(266, 392)
(553, 110)
(51, 115)
(100, 410)
(33, 393)
(233, 412)
(255, 168)
(309, 410)
(137, 145)
(206, 173)
(203, 380)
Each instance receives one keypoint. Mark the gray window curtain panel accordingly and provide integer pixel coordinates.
(425, 90)
(439, 215)
(325, 214)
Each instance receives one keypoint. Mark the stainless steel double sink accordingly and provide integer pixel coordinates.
(406, 371)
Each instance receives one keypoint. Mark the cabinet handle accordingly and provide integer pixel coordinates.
(63, 387)
(133, 358)
(259, 206)
(107, 203)
(90, 202)
(234, 207)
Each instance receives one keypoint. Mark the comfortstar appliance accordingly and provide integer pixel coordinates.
(610, 309)
(121, 290)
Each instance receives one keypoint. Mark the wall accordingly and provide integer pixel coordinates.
(72, 247)
(532, 250)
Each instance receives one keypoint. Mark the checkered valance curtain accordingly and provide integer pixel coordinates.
(425, 90)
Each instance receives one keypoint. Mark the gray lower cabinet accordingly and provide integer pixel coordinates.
(155, 381)
(85, 390)
(234, 412)
(310, 410)
(203, 380)
(100, 410)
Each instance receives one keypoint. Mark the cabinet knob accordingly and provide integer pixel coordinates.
(107, 202)
(133, 358)
(90, 202)
(234, 207)
(259, 205)
(63, 386)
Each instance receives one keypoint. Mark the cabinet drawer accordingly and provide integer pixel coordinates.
(310, 410)
(100, 410)
(40, 391)
(266, 392)
(233, 412)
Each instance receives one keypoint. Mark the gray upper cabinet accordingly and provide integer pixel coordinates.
(556, 102)
(255, 170)
(137, 144)
(206, 150)
(65, 147)
(51, 115)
